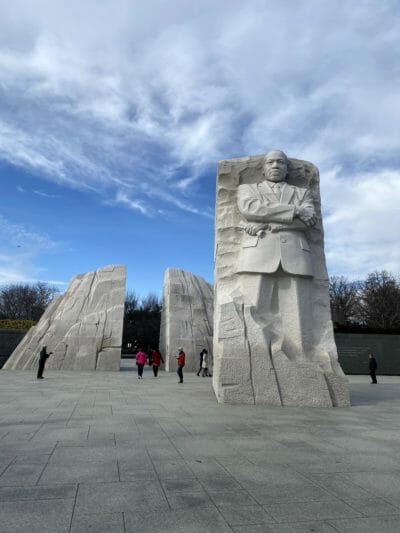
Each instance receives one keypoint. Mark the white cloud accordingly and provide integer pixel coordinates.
(19, 246)
(136, 101)
(362, 217)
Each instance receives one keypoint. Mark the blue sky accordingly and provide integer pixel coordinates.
(113, 116)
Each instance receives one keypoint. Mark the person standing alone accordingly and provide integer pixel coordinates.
(373, 365)
(42, 361)
(181, 363)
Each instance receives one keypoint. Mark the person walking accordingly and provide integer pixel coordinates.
(181, 363)
(157, 359)
(204, 364)
(202, 353)
(141, 358)
(373, 365)
(43, 356)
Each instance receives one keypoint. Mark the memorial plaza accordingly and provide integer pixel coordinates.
(106, 452)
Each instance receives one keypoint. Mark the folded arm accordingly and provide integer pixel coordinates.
(255, 209)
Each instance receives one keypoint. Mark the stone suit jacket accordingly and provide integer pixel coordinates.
(284, 243)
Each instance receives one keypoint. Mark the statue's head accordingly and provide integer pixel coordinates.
(275, 166)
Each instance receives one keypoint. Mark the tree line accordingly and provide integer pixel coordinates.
(372, 304)
(142, 319)
(25, 302)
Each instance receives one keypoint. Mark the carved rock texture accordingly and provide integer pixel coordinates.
(247, 368)
(187, 318)
(82, 327)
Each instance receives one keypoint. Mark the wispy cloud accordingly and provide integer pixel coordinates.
(45, 194)
(19, 247)
(137, 101)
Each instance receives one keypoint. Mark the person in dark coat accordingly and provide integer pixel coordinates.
(42, 361)
(204, 351)
(373, 365)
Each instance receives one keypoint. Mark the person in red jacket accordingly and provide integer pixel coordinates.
(181, 363)
(157, 359)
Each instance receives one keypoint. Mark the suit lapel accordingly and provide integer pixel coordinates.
(266, 192)
(287, 194)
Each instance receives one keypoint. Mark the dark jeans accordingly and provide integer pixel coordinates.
(179, 371)
(41, 368)
(140, 370)
(372, 373)
(155, 370)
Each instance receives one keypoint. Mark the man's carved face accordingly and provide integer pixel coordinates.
(275, 166)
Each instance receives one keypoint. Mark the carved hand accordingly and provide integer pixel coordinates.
(255, 229)
(309, 218)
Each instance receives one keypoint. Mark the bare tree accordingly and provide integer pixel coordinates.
(344, 299)
(131, 303)
(151, 303)
(379, 304)
(25, 302)
(141, 321)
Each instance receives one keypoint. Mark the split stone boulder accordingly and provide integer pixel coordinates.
(187, 318)
(82, 327)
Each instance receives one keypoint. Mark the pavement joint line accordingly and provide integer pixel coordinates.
(46, 464)
(73, 508)
(158, 477)
(119, 473)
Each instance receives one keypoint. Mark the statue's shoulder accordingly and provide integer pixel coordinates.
(248, 188)
(299, 191)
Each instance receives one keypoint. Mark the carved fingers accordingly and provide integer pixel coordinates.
(305, 215)
(310, 220)
(255, 229)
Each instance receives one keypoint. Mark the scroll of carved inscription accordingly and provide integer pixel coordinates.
(273, 336)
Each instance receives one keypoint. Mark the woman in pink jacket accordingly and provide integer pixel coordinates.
(141, 359)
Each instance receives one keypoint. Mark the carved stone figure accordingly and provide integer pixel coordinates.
(186, 319)
(273, 338)
(82, 327)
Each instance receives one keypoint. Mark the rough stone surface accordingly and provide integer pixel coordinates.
(187, 318)
(82, 327)
(273, 335)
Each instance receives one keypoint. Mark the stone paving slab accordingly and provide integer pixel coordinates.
(105, 452)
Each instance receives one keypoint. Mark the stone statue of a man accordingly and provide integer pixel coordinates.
(275, 260)
(273, 336)
(278, 214)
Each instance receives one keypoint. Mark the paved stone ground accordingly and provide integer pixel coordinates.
(105, 452)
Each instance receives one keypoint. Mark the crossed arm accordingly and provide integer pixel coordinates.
(259, 212)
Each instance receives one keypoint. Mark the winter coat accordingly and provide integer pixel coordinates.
(156, 357)
(372, 363)
(181, 358)
(141, 358)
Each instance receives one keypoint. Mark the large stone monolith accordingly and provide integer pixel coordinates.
(82, 327)
(273, 335)
(187, 318)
